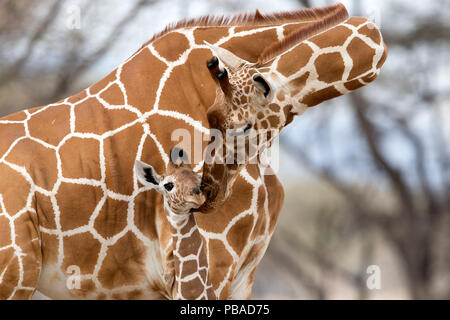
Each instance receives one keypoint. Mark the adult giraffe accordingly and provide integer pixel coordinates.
(69, 197)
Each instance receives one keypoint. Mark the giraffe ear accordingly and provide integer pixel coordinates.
(146, 174)
(263, 85)
(226, 58)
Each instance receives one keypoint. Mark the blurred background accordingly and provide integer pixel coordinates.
(366, 175)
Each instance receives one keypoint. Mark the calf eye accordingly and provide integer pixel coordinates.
(168, 186)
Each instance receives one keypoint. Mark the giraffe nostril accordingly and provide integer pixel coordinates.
(222, 74)
(214, 62)
(196, 190)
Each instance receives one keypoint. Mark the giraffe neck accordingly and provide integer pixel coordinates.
(191, 265)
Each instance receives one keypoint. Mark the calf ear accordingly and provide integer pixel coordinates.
(146, 174)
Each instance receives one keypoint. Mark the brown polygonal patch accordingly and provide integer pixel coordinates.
(369, 78)
(5, 234)
(36, 109)
(10, 271)
(202, 83)
(274, 107)
(250, 47)
(298, 83)
(163, 230)
(188, 247)
(113, 95)
(134, 294)
(9, 133)
(77, 97)
(253, 171)
(192, 288)
(210, 35)
(39, 161)
(26, 229)
(238, 234)
(102, 83)
(92, 117)
(264, 124)
(289, 116)
(356, 21)
(117, 296)
(238, 201)
(14, 189)
(120, 154)
(75, 209)
(260, 224)
(51, 125)
(203, 274)
(362, 56)
(32, 263)
(220, 261)
(330, 67)
(18, 116)
(191, 97)
(253, 254)
(87, 287)
(124, 263)
(101, 296)
(319, 96)
(22, 294)
(81, 250)
(353, 85)
(185, 96)
(334, 37)
(203, 258)
(260, 115)
(80, 158)
(171, 45)
(294, 60)
(27, 237)
(275, 197)
(146, 69)
(112, 218)
(372, 32)
(189, 267)
(49, 245)
(274, 121)
(45, 212)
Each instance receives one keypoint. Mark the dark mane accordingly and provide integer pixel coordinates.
(254, 19)
(326, 18)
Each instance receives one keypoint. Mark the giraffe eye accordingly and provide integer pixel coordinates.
(168, 186)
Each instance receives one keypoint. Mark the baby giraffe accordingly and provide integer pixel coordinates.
(180, 187)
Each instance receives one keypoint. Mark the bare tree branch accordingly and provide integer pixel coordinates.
(359, 104)
(78, 69)
(14, 70)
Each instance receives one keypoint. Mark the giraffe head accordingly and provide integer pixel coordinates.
(309, 66)
(179, 185)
